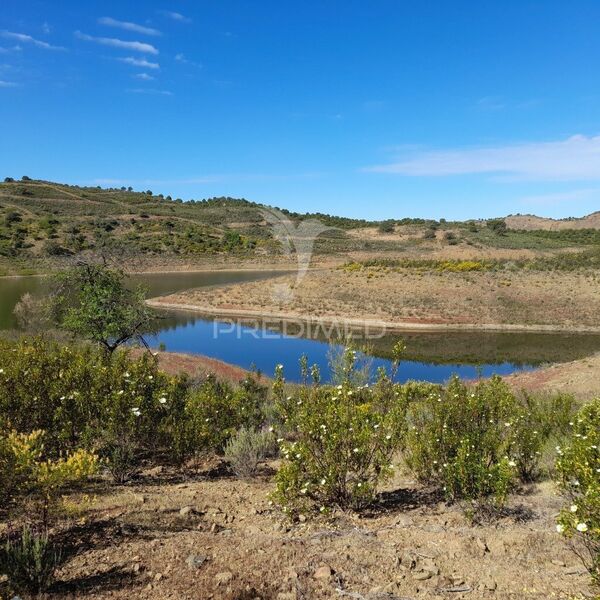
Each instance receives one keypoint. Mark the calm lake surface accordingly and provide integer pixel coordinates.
(430, 356)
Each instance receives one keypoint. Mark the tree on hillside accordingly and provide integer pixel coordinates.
(498, 226)
(93, 302)
(386, 226)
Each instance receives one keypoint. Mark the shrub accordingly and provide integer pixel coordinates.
(247, 448)
(578, 467)
(460, 439)
(498, 226)
(214, 411)
(342, 442)
(29, 561)
(80, 399)
(40, 479)
(539, 420)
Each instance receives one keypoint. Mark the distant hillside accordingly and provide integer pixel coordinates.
(532, 223)
(46, 219)
(42, 223)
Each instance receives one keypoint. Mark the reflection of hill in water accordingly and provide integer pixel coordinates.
(462, 348)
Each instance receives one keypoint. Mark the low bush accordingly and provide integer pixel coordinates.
(578, 467)
(29, 560)
(247, 448)
(214, 411)
(80, 398)
(341, 443)
(539, 421)
(460, 439)
(37, 480)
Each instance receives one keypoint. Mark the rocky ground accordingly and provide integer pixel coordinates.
(209, 535)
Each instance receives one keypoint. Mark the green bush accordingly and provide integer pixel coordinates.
(341, 443)
(29, 561)
(578, 467)
(247, 448)
(214, 411)
(539, 420)
(460, 439)
(74, 394)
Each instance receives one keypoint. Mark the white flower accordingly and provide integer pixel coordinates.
(271, 430)
(162, 400)
(388, 437)
(136, 412)
(560, 528)
(323, 481)
(355, 450)
(1, 371)
(573, 508)
(512, 463)
(581, 527)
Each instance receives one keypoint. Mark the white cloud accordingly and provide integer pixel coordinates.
(139, 62)
(175, 16)
(144, 76)
(127, 26)
(7, 84)
(27, 39)
(576, 158)
(115, 43)
(151, 92)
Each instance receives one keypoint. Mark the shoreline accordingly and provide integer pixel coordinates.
(367, 324)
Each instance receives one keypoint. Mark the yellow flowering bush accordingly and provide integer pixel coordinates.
(36, 477)
(578, 467)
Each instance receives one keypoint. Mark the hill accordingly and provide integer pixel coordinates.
(532, 222)
(43, 223)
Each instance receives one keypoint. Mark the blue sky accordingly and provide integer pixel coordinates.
(377, 109)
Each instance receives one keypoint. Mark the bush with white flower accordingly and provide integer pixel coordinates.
(578, 467)
(214, 410)
(460, 439)
(341, 440)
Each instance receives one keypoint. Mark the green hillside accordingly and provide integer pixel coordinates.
(42, 222)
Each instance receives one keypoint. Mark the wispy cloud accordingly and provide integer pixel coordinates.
(8, 84)
(11, 49)
(152, 92)
(175, 16)
(144, 76)
(128, 26)
(560, 197)
(576, 158)
(139, 62)
(116, 43)
(27, 39)
(186, 61)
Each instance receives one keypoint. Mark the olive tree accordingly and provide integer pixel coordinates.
(92, 301)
